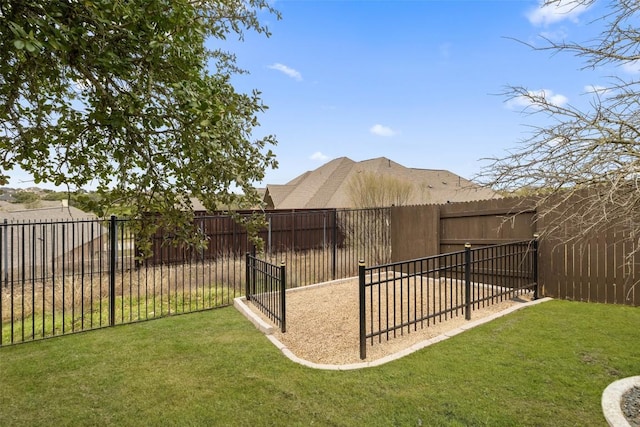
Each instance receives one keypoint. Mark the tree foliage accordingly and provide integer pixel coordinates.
(25, 197)
(586, 161)
(126, 97)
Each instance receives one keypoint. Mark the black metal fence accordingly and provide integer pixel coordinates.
(64, 277)
(352, 235)
(397, 298)
(60, 277)
(332, 240)
(266, 288)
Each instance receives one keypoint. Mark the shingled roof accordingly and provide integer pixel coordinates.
(326, 187)
(42, 210)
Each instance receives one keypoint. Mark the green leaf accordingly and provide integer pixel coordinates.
(127, 96)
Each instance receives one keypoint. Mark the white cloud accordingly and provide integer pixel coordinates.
(556, 35)
(560, 10)
(595, 89)
(542, 94)
(381, 130)
(319, 156)
(556, 98)
(294, 74)
(631, 67)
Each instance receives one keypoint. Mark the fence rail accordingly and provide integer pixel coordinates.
(63, 277)
(60, 277)
(396, 298)
(266, 288)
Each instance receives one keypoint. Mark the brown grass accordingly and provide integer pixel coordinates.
(82, 290)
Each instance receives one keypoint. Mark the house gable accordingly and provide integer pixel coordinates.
(327, 186)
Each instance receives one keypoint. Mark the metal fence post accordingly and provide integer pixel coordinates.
(5, 252)
(467, 281)
(268, 248)
(247, 276)
(283, 292)
(254, 277)
(334, 262)
(112, 270)
(535, 266)
(363, 328)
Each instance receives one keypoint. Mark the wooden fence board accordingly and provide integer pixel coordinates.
(593, 269)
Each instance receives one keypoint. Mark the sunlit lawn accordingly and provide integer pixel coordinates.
(545, 365)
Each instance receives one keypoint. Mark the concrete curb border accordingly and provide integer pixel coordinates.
(241, 305)
(612, 397)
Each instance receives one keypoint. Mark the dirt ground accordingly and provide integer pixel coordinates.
(323, 325)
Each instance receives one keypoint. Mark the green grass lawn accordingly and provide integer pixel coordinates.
(546, 365)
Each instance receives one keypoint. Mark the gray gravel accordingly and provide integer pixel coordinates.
(630, 405)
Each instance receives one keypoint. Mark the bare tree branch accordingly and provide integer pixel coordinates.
(583, 167)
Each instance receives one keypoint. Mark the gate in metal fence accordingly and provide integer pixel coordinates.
(266, 288)
(399, 297)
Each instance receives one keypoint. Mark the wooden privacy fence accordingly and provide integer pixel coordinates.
(319, 245)
(285, 230)
(594, 269)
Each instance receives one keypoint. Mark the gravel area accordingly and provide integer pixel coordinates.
(630, 405)
(323, 324)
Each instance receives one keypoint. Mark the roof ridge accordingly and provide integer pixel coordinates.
(326, 192)
(327, 185)
(310, 183)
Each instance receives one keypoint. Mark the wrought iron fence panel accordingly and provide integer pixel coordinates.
(396, 298)
(59, 277)
(266, 289)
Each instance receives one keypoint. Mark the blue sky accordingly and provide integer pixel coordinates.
(417, 81)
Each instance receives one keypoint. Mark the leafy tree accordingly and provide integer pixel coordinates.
(586, 162)
(25, 197)
(125, 96)
(54, 195)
